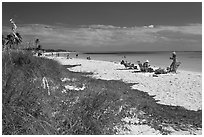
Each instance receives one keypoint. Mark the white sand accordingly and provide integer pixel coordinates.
(181, 89)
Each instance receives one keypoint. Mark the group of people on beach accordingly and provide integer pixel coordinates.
(68, 56)
(145, 67)
(128, 64)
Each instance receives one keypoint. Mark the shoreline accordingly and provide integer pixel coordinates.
(184, 88)
(154, 64)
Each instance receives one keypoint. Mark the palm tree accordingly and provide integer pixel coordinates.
(19, 38)
(13, 40)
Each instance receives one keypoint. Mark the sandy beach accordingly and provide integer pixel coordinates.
(182, 89)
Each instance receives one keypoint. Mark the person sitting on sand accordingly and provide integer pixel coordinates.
(122, 62)
(128, 64)
(89, 58)
(132, 66)
(141, 66)
(168, 69)
(160, 71)
(125, 64)
(146, 65)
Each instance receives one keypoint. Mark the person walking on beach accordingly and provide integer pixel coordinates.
(173, 64)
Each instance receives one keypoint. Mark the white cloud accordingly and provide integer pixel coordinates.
(103, 36)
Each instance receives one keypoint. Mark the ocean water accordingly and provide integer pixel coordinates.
(190, 61)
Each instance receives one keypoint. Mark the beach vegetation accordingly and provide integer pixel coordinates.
(11, 40)
(36, 102)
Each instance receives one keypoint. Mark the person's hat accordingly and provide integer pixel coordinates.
(147, 61)
(174, 53)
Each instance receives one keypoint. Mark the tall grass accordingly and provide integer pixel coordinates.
(28, 108)
(23, 93)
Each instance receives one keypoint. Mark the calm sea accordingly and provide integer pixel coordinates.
(190, 61)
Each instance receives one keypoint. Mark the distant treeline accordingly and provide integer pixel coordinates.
(55, 50)
(48, 50)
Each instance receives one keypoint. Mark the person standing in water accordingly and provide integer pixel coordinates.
(173, 64)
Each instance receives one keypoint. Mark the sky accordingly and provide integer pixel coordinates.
(108, 26)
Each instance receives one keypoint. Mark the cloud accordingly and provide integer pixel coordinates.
(107, 36)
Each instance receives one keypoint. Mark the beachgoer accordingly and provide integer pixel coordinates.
(173, 64)
(77, 55)
(67, 55)
(168, 69)
(140, 66)
(129, 64)
(126, 64)
(160, 71)
(132, 66)
(39, 53)
(89, 58)
(146, 65)
(122, 62)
